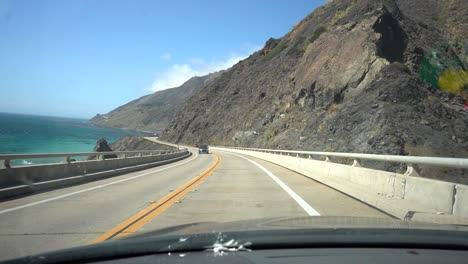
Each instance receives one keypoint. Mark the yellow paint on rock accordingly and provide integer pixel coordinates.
(453, 81)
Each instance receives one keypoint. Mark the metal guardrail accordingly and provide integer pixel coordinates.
(410, 161)
(6, 158)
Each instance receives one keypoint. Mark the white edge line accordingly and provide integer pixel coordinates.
(309, 209)
(93, 188)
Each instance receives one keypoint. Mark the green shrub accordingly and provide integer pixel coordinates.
(272, 43)
(278, 49)
(269, 134)
(318, 31)
(299, 47)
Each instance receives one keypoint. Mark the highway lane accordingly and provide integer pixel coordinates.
(240, 188)
(77, 219)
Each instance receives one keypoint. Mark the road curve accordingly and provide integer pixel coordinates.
(239, 188)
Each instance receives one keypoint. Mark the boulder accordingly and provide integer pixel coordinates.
(102, 146)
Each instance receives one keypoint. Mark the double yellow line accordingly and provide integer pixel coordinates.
(135, 222)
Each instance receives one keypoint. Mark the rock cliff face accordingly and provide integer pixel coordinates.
(152, 112)
(365, 76)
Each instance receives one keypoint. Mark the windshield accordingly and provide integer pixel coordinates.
(317, 114)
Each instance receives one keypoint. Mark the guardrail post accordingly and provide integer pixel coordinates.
(101, 157)
(356, 163)
(411, 171)
(310, 157)
(67, 159)
(327, 159)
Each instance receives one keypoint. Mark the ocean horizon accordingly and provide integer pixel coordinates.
(25, 133)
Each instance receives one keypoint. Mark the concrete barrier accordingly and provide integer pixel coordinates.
(461, 200)
(400, 195)
(22, 180)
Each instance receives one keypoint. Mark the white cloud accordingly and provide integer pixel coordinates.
(166, 56)
(177, 74)
(174, 77)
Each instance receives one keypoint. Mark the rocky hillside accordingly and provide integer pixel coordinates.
(371, 76)
(152, 112)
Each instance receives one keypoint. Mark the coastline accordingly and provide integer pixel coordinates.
(25, 134)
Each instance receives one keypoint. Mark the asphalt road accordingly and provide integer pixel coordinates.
(239, 188)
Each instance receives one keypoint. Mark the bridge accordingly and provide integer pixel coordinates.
(72, 203)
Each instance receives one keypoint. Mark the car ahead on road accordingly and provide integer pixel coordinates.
(279, 240)
(203, 149)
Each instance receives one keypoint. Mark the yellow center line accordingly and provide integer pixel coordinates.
(135, 222)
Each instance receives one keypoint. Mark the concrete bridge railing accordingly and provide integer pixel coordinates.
(405, 196)
(17, 180)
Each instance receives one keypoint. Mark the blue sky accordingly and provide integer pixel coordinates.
(77, 58)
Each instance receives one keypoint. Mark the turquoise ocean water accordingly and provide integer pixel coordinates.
(42, 134)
